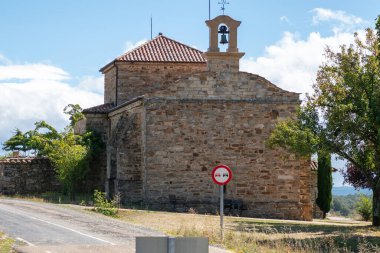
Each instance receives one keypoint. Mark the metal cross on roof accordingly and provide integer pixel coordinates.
(223, 3)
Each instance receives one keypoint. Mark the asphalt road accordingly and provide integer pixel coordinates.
(46, 225)
(49, 228)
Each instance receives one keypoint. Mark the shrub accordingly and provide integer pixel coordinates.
(341, 205)
(364, 207)
(103, 205)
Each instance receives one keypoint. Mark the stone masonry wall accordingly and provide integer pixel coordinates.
(136, 79)
(191, 120)
(27, 176)
(125, 153)
(228, 85)
(186, 138)
(110, 86)
(96, 177)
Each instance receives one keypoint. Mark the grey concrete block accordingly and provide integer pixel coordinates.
(151, 245)
(191, 245)
(172, 245)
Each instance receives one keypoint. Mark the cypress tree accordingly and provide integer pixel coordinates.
(324, 182)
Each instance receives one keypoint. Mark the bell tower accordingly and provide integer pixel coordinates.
(218, 61)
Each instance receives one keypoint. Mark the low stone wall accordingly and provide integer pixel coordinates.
(25, 175)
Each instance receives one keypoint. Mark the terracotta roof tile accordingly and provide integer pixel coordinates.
(314, 166)
(23, 160)
(104, 108)
(163, 49)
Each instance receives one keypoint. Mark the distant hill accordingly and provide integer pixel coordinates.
(347, 190)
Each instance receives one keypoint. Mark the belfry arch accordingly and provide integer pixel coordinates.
(223, 61)
(214, 25)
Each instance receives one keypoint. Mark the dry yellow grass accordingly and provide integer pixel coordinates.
(247, 235)
(261, 235)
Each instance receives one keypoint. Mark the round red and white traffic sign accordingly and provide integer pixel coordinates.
(221, 174)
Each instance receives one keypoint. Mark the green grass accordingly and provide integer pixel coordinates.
(6, 244)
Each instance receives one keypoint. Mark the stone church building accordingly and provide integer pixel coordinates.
(171, 113)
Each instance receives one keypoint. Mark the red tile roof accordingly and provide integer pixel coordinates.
(23, 160)
(163, 49)
(314, 166)
(102, 109)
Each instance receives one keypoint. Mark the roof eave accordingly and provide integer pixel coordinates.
(107, 67)
(131, 101)
(94, 113)
(111, 64)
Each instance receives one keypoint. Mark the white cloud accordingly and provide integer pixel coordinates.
(292, 63)
(339, 20)
(34, 92)
(32, 71)
(131, 45)
(4, 60)
(92, 84)
(284, 19)
(322, 14)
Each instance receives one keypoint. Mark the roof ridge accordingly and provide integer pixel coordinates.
(163, 49)
(138, 47)
(155, 38)
(176, 41)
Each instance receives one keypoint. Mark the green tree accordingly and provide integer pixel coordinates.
(340, 205)
(18, 142)
(41, 138)
(324, 198)
(296, 135)
(75, 113)
(36, 141)
(343, 114)
(69, 153)
(69, 158)
(364, 207)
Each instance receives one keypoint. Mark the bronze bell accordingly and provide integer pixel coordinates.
(223, 38)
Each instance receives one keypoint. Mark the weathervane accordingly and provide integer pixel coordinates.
(223, 3)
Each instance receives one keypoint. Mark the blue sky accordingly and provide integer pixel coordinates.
(51, 51)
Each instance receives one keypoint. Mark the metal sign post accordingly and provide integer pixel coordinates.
(221, 212)
(221, 175)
